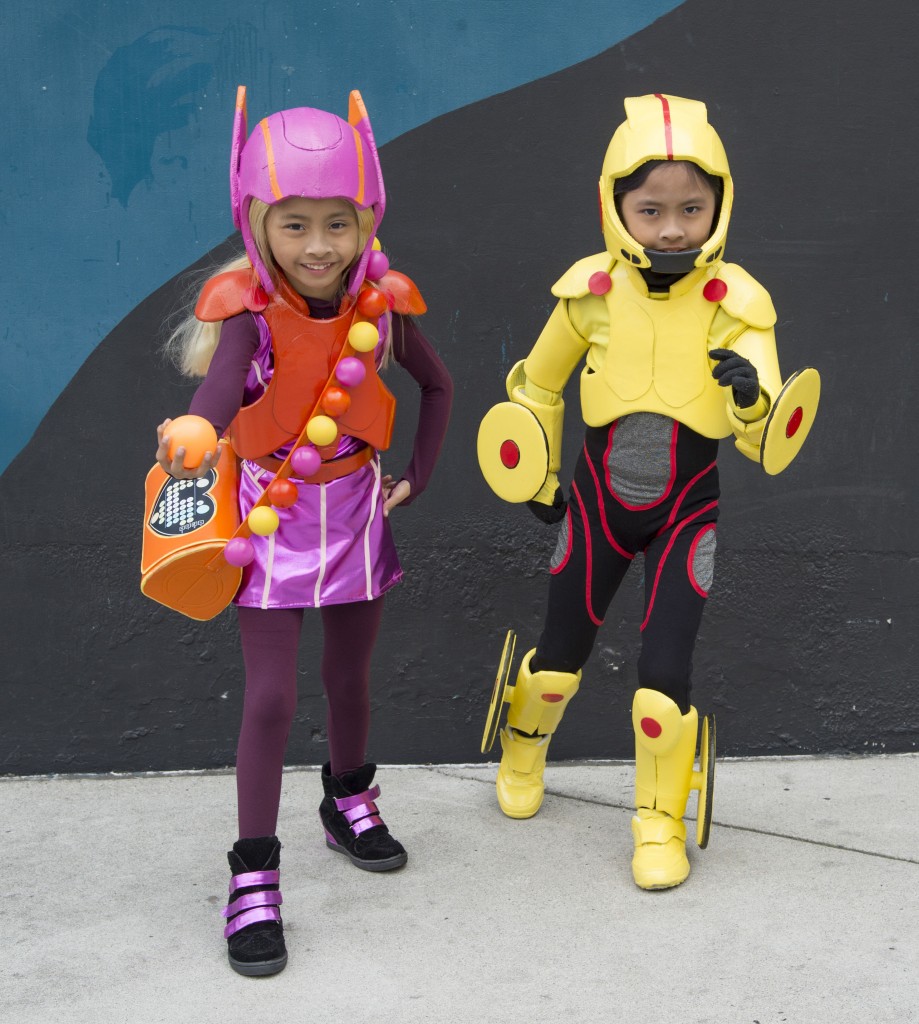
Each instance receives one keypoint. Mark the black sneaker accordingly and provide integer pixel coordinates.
(352, 821)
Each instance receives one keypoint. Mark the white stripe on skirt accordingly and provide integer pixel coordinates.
(368, 573)
(323, 540)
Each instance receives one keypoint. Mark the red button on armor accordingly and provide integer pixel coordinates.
(794, 422)
(510, 455)
(715, 290)
(552, 698)
(600, 283)
(651, 727)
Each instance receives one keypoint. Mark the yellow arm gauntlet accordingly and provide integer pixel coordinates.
(547, 406)
(773, 430)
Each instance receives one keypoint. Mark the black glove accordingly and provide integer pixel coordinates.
(549, 514)
(738, 373)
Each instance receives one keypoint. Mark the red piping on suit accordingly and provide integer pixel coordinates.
(670, 543)
(606, 529)
(671, 519)
(690, 572)
(589, 554)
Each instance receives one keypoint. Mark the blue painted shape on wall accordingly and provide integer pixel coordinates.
(145, 90)
(121, 119)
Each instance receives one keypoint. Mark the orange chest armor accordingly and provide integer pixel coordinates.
(305, 352)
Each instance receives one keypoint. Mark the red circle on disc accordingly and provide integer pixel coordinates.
(715, 290)
(794, 422)
(651, 727)
(510, 455)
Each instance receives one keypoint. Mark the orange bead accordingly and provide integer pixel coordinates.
(282, 493)
(372, 302)
(335, 402)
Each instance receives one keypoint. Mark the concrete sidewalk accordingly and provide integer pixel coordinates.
(803, 908)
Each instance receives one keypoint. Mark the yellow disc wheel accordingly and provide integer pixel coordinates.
(499, 692)
(790, 420)
(513, 452)
(707, 780)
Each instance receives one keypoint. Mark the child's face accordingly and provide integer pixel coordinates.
(314, 241)
(672, 211)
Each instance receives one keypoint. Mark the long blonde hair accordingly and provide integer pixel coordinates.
(191, 345)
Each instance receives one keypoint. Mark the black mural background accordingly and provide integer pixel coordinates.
(809, 640)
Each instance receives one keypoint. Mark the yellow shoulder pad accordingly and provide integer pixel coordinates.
(746, 299)
(574, 283)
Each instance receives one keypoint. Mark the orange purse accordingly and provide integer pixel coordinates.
(187, 524)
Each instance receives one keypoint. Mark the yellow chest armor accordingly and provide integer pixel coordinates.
(651, 355)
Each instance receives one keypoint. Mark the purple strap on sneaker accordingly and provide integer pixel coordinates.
(360, 811)
(248, 878)
(370, 822)
(345, 803)
(255, 916)
(253, 899)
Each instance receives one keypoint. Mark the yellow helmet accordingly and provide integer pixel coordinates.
(659, 127)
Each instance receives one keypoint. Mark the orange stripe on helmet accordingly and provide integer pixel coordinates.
(269, 153)
(668, 127)
(359, 197)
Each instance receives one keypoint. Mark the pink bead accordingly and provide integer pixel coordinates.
(350, 372)
(377, 265)
(305, 461)
(239, 551)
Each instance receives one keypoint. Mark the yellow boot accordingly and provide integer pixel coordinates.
(537, 703)
(665, 749)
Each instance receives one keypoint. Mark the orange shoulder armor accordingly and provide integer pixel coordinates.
(404, 292)
(227, 295)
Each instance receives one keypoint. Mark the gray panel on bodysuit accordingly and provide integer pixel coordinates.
(561, 545)
(638, 465)
(703, 561)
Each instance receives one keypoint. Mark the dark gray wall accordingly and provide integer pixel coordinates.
(809, 639)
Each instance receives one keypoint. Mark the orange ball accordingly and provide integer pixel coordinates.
(372, 302)
(335, 402)
(195, 435)
(282, 493)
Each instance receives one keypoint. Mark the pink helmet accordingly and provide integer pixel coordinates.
(309, 153)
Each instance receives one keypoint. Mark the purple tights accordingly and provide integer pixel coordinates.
(270, 640)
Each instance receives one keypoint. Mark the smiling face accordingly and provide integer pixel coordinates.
(671, 211)
(314, 241)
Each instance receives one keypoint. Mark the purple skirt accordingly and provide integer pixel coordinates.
(333, 546)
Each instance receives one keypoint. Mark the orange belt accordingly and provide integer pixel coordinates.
(331, 470)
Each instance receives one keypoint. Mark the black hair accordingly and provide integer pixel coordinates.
(632, 182)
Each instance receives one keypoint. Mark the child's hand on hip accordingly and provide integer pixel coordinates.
(394, 493)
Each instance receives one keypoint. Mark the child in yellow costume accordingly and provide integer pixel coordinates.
(678, 351)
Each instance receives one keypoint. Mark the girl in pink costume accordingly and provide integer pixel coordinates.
(307, 194)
